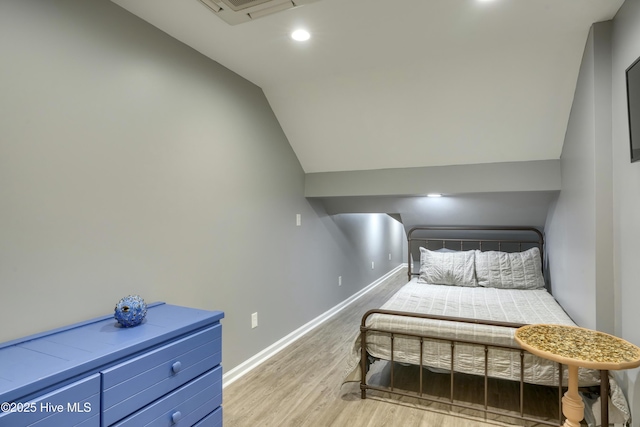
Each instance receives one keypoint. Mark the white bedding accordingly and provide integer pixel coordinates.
(506, 305)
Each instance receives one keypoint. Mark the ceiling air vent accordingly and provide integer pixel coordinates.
(237, 11)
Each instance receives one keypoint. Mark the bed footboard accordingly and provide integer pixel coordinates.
(364, 366)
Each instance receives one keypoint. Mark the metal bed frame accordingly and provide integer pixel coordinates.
(498, 243)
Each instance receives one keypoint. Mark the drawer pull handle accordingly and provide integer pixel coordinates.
(176, 367)
(176, 417)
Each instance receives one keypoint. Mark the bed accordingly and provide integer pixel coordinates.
(459, 311)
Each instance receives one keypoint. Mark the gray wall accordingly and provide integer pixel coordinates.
(579, 229)
(500, 208)
(626, 195)
(129, 163)
(592, 231)
(539, 175)
(510, 193)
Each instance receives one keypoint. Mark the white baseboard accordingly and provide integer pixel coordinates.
(251, 363)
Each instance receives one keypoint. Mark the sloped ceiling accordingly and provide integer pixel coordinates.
(404, 83)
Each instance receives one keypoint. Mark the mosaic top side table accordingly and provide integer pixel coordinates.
(577, 347)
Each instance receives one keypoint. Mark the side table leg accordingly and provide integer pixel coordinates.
(572, 405)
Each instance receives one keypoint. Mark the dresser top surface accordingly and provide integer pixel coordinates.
(45, 359)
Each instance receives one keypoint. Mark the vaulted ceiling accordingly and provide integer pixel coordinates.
(404, 83)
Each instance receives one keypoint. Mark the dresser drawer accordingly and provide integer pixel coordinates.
(214, 419)
(141, 380)
(184, 407)
(77, 404)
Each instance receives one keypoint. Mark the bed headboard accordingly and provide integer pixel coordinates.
(506, 239)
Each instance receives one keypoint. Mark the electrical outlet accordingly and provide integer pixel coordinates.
(389, 257)
(373, 265)
(254, 320)
(339, 280)
(298, 220)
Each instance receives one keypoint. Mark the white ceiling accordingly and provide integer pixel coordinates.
(404, 83)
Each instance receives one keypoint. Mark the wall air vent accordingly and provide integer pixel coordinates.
(238, 11)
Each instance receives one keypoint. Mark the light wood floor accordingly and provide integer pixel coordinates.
(301, 385)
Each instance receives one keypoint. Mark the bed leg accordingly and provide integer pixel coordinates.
(363, 381)
(364, 365)
(604, 398)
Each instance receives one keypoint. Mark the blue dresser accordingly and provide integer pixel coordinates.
(164, 372)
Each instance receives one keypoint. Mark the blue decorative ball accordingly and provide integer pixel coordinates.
(130, 311)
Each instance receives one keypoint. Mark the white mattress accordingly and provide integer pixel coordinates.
(507, 305)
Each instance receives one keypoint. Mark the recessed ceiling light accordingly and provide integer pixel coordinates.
(301, 35)
(434, 195)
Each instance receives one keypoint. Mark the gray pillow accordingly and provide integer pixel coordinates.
(518, 270)
(447, 267)
(445, 250)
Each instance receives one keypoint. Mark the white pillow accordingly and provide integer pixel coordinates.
(518, 270)
(447, 268)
